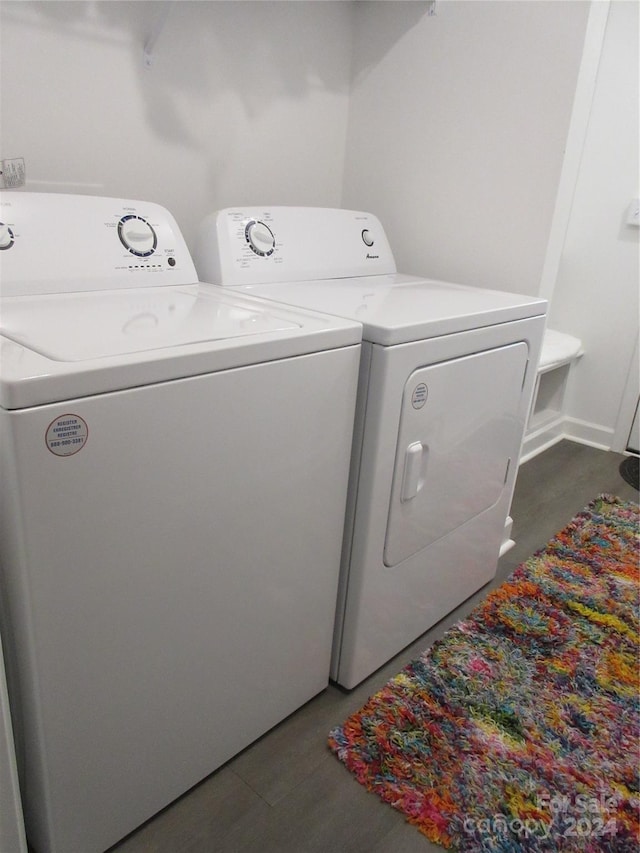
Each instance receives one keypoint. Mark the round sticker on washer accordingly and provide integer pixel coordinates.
(419, 396)
(66, 435)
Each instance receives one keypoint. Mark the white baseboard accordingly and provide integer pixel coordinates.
(541, 439)
(572, 429)
(595, 435)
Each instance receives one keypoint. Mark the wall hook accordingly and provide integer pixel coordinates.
(157, 27)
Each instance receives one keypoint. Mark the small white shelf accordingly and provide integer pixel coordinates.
(546, 420)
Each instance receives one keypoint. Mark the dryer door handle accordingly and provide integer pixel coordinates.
(415, 467)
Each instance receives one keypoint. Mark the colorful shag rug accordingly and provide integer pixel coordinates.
(519, 729)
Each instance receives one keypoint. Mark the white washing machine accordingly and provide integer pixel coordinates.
(12, 835)
(446, 378)
(174, 476)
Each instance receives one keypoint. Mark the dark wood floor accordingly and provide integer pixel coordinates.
(287, 793)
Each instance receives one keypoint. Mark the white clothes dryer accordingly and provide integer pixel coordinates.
(446, 379)
(174, 477)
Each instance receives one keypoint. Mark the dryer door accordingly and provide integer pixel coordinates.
(459, 433)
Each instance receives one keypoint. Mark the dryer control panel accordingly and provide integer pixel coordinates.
(262, 245)
(57, 243)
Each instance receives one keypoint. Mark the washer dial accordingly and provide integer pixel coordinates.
(6, 236)
(137, 236)
(260, 238)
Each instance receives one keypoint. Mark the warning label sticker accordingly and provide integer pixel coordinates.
(67, 435)
(12, 173)
(419, 396)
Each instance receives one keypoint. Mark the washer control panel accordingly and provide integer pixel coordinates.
(240, 246)
(56, 243)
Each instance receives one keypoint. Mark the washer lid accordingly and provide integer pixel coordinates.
(67, 345)
(397, 309)
(83, 326)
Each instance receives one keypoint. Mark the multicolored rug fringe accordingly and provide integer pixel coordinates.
(519, 729)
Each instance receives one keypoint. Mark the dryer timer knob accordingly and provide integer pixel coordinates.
(260, 238)
(6, 236)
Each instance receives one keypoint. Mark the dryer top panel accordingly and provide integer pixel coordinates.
(261, 245)
(340, 262)
(397, 309)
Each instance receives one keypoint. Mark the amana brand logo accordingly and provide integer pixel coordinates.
(372, 257)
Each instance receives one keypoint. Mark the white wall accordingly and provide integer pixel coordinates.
(245, 102)
(452, 131)
(457, 130)
(596, 293)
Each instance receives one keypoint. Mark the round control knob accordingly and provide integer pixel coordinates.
(6, 236)
(367, 239)
(137, 236)
(260, 238)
